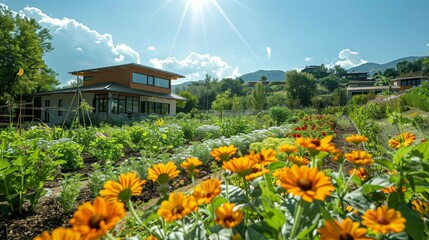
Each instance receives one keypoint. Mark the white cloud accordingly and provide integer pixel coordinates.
(349, 59)
(70, 37)
(268, 52)
(427, 45)
(151, 48)
(307, 59)
(195, 66)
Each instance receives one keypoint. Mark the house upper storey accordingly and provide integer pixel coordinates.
(132, 75)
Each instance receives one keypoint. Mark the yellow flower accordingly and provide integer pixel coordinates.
(298, 160)
(356, 139)
(347, 229)
(177, 206)
(383, 220)
(163, 172)
(151, 237)
(404, 139)
(190, 164)
(421, 207)
(264, 157)
(129, 185)
(227, 216)
(288, 148)
(391, 189)
(358, 157)
(93, 221)
(338, 154)
(223, 153)
(59, 233)
(360, 173)
(206, 191)
(307, 183)
(316, 145)
(351, 209)
(242, 166)
(256, 171)
(159, 122)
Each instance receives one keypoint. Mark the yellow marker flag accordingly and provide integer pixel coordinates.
(20, 72)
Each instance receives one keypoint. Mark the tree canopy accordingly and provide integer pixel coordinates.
(23, 43)
(300, 86)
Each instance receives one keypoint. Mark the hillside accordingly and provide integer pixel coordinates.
(272, 75)
(373, 67)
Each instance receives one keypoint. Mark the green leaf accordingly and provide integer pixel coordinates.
(277, 165)
(401, 154)
(272, 216)
(217, 201)
(422, 150)
(385, 163)
(357, 200)
(375, 184)
(254, 232)
(414, 225)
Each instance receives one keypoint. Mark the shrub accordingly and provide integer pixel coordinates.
(280, 114)
(69, 151)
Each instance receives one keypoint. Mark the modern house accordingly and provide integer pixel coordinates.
(359, 83)
(114, 92)
(409, 82)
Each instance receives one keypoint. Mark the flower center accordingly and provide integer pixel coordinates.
(178, 209)
(316, 142)
(94, 222)
(382, 221)
(229, 219)
(346, 236)
(304, 184)
(208, 194)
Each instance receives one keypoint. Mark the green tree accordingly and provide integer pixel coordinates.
(187, 106)
(300, 86)
(23, 42)
(222, 102)
(329, 83)
(237, 103)
(257, 98)
(339, 71)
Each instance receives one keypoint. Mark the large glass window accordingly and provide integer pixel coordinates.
(139, 78)
(155, 107)
(100, 102)
(60, 106)
(151, 80)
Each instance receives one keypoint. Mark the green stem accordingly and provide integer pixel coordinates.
(185, 233)
(297, 218)
(226, 187)
(7, 194)
(20, 191)
(133, 212)
(193, 180)
(109, 236)
(313, 161)
(246, 188)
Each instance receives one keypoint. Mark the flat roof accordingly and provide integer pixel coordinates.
(113, 87)
(372, 88)
(126, 66)
(406, 78)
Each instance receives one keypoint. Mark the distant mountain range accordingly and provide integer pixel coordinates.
(279, 75)
(272, 75)
(373, 67)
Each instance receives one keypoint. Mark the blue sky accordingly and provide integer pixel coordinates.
(228, 38)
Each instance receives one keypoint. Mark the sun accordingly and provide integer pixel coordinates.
(197, 3)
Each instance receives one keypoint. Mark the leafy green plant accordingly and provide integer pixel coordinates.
(69, 151)
(280, 114)
(99, 176)
(106, 149)
(71, 186)
(24, 168)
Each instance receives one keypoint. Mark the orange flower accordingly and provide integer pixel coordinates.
(190, 164)
(421, 207)
(162, 173)
(404, 139)
(391, 189)
(223, 153)
(288, 148)
(227, 216)
(360, 173)
(129, 185)
(316, 145)
(358, 157)
(177, 206)
(356, 139)
(383, 220)
(59, 233)
(298, 160)
(264, 157)
(307, 183)
(256, 171)
(206, 191)
(351, 209)
(338, 155)
(344, 230)
(93, 221)
(242, 166)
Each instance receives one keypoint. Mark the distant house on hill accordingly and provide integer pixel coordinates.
(114, 92)
(253, 83)
(310, 69)
(409, 82)
(359, 83)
